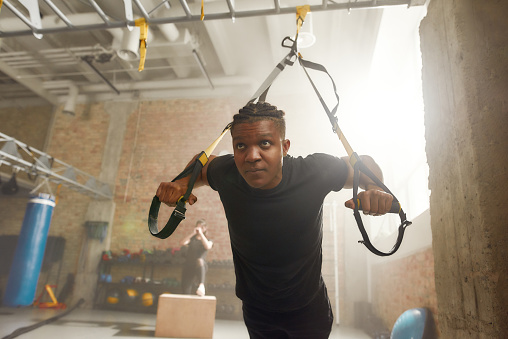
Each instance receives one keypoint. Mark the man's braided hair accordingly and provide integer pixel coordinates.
(254, 112)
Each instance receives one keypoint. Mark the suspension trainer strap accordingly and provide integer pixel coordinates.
(330, 113)
(265, 86)
(194, 169)
(396, 208)
(358, 166)
(301, 12)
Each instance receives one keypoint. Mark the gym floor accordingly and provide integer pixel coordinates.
(98, 324)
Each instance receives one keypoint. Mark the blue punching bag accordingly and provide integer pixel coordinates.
(27, 261)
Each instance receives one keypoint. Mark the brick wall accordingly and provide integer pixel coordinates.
(28, 125)
(402, 284)
(161, 137)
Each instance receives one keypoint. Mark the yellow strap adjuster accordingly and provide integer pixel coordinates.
(301, 13)
(143, 35)
(203, 159)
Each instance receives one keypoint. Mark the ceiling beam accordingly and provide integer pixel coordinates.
(189, 17)
(34, 85)
(228, 61)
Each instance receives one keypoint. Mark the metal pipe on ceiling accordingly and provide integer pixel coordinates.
(190, 83)
(99, 11)
(163, 3)
(202, 67)
(188, 17)
(20, 15)
(142, 9)
(186, 8)
(59, 13)
(231, 7)
(89, 63)
(277, 5)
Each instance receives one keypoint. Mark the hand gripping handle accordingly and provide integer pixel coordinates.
(396, 208)
(179, 212)
(359, 166)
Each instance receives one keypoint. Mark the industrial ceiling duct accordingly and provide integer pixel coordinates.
(129, 46)
(70, 103)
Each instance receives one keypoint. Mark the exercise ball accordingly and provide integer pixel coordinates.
(416, 323)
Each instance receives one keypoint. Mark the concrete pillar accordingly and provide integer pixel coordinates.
(465, 85)
(86, 279)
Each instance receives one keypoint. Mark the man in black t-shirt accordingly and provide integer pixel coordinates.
(273, 203)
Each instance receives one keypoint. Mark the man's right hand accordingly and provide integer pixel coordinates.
(170, 192)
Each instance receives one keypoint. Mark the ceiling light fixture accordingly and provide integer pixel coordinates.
(306, 37)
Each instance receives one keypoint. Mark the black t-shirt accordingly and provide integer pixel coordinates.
(195, 249)
(276, 233)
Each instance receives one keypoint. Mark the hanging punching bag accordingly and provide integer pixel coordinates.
(27, 261)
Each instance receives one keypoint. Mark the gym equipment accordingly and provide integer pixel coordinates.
(41, 164)
(195, 167)
(113, 297)
(27, 262)
(54, 302)
(416, 323)
(185, 316)
(147, 299)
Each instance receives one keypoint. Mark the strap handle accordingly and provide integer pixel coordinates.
(396, 208)
(358, 166)
(178, 214)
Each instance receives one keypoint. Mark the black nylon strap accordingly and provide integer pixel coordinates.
(194, 169)
(286, 61)
(179, 212)
(330, 113)
(359, 166)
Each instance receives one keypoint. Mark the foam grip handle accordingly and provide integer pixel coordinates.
(396, 208)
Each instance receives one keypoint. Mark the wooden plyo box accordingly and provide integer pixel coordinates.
(185, 316)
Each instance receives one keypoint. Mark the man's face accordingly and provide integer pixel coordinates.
(258, 151)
